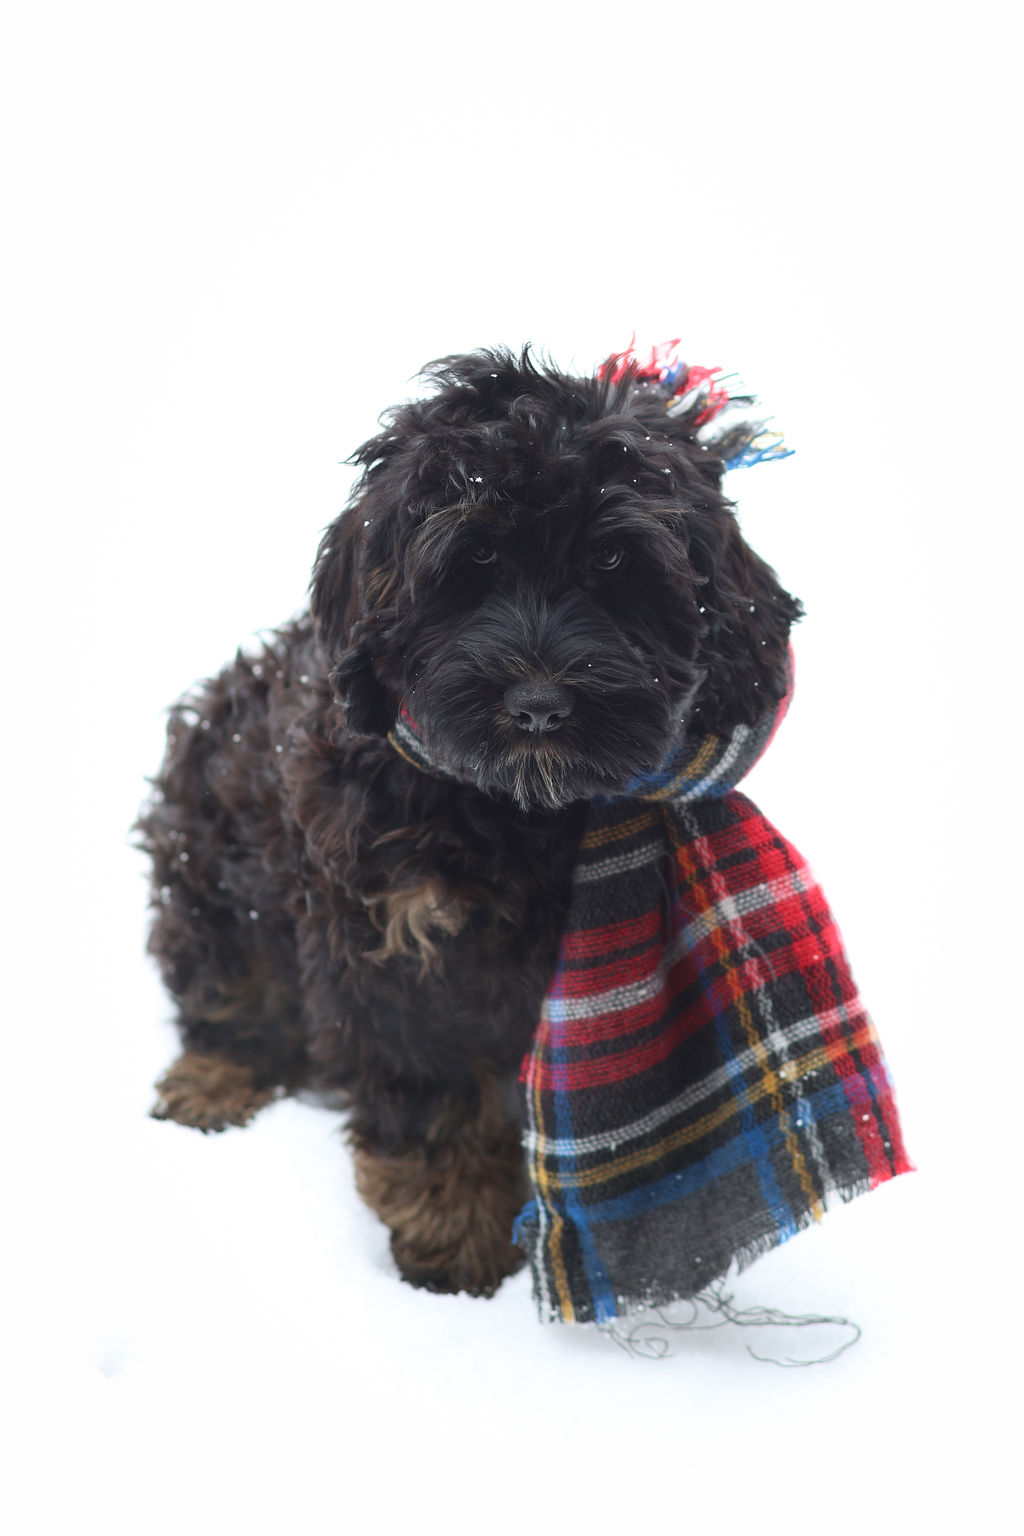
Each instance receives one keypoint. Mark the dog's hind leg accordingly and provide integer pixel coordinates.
(209, 1092)
(222, 931)
(239, 1010)
(240, 1023)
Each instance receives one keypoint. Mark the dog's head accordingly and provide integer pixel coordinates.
(544, 570)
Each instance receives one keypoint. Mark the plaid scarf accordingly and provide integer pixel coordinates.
(704, 1079)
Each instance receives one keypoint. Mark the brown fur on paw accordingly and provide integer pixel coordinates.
(451, 1206)
(476, 1269)
(209, 1092)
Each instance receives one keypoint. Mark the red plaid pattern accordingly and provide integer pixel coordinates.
(705, 1079)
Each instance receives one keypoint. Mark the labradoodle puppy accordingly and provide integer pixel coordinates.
(363, 837)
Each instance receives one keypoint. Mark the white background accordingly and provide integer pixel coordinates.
(232, 233)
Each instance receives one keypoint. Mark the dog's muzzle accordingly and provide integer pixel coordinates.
(539, 707)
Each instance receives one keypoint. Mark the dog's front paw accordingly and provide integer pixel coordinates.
(478, 1265)
(209, 1093)
(450, 1209)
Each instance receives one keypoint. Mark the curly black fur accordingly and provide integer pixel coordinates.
(326, 913)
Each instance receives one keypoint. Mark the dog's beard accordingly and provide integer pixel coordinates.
(625, 721)
(550, 772)
(628, 694)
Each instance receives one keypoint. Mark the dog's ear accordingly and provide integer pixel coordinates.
(748, 615)
(348, 600)
(746, 612)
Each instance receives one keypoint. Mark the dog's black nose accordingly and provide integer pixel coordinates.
(538, 706)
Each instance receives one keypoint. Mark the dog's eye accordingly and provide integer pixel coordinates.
(608, 556)
(484, 553)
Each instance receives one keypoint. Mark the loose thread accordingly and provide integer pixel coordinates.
(721, 1307)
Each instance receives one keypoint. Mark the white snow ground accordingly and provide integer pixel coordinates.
(233, 233)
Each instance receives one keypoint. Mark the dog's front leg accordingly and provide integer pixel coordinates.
(451, 1190)
(436, 1140)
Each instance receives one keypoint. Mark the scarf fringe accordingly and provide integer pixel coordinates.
(720, 415)
(656, 1294)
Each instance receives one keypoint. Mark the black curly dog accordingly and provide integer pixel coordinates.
(543, 570)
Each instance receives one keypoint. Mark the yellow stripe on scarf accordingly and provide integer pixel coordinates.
(554, 1238)
(741, 999)
(801, 1066)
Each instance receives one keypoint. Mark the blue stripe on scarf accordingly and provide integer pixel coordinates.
(717, 1164)
(596, 1276)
